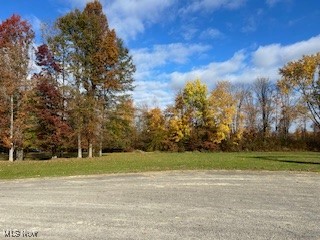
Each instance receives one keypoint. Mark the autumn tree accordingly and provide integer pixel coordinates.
(201, 121)
(99, 63)
(153, 132)
(46, 104)
(123, 70)
(16, 37)
(114, 94)
(45, 59)
(119, 132)
(188, 116)
(264, 90)
(251, 112)
(51, 130)
(222, 107)
(287, 105)
(179, 128)
(303, 76)
(238, 122)
(177, 123)
(194, 97)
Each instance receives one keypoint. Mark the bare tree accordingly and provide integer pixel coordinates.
(264, 90)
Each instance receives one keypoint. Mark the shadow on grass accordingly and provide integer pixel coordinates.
(278, 159)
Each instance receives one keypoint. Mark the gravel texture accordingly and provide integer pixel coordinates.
(164, 205)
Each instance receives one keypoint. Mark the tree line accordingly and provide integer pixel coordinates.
(84, 75)
(261, 116)
(79, 98)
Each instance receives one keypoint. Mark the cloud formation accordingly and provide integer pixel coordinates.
(153, 93)
(271, 3)
(212, 72)
(247, 66)
(130, 17)
(242, 67)
(277, 55)
(162, 69)
(209, 5)
(166, 53)
(149, 60)
(211, 33)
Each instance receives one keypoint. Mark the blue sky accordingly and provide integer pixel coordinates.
(173, 41)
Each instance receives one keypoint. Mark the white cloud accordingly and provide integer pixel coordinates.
(153, 93)
(271, 3)
(211, 73)
(76, 3)
(277, 55)
(160, 55)
(65, 6)
(242, 67)
(246, 67)
(152, 84)
(35, 22)
(130, 17)
(252, 22)
(211, 33)
(209, 5)
(189, 31)
(250, 25)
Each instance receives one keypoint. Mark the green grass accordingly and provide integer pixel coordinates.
(142, 162)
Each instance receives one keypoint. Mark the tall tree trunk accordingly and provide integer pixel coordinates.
(79, 146)
(101, 133)
(90, 150)
(19, 154)
(11, 150)
(100, 149)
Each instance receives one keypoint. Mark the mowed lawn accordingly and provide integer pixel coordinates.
(158, 161)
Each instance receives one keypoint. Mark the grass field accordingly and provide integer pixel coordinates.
(156, 161)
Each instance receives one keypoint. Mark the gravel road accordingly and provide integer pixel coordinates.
(163, 205)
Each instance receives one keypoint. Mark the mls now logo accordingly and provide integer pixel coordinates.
(15, 233)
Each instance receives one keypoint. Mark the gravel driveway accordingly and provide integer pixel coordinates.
(163, 205)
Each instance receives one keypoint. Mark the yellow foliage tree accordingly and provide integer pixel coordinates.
(303, 76)
(222, 107)
(155, 129)
(194, 96)
(239, 116)
(178, 129)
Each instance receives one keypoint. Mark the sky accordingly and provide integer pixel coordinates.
(175, 41)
